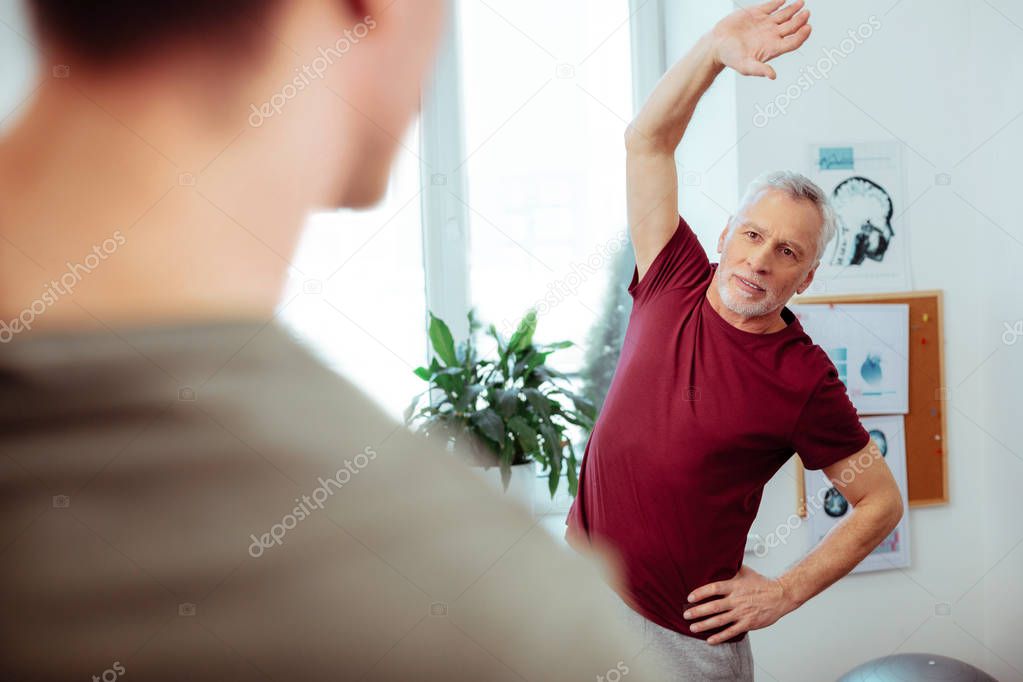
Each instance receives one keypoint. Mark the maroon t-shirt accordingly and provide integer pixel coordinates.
(699, 416)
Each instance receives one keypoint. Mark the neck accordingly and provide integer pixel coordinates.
(121, 206)
(763, 324)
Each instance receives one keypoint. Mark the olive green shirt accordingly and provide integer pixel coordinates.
(209, 502)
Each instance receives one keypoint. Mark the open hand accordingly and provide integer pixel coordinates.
(749, 37)
(749, 601)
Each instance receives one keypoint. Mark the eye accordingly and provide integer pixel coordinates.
(751, 232)
(788, 252)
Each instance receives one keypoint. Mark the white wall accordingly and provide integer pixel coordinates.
(943, 77)
(707, 159)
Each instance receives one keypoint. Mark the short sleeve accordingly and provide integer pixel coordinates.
(681, 264)
(828, 429)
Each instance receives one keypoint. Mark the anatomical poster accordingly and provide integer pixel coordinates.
(865, 182)
(826, 507)
(869, 345)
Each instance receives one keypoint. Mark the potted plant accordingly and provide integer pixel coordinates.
(507, 409)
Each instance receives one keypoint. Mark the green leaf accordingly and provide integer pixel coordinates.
(443, 342)
(553, 479)
(525, 434)
(508, 402)
(557, 345)
(490, 425)
(538, 401)
(523, 336)
(533, 360)
(541, 458)
(548, 373)
(552, 444)
(410, 410)
(577, 419)
(448, 384)
(507, 458)
(573, 477)
(474, 324)
(467, 400)
(524, 366)
(492, 330)
(584, 405)
(551, 441)
(422, 373)
(502, 350)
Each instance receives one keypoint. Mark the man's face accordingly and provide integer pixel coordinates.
(767, 253)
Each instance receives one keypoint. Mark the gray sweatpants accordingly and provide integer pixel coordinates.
(688, 659)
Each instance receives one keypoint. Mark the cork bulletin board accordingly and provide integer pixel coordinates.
(926, 452)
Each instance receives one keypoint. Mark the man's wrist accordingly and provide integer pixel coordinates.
(708, 45)
(791, 596)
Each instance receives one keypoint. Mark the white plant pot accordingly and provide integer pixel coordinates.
(521, 487)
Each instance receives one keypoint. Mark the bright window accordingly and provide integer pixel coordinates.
(547, 92)
(356, 295)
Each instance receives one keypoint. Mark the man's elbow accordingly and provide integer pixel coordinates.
(644, 142)
(895, 509)
(633, 138)
(885, 506)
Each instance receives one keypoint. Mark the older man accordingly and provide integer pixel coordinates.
(718, 385)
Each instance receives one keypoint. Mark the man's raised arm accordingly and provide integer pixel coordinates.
(744, 40)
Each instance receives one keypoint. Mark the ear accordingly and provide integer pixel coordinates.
(808, 281)
(724, 233)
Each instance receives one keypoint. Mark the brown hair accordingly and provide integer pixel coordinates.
(115, 30)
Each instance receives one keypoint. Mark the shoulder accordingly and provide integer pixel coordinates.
(807, 362)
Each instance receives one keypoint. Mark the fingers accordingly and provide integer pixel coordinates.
(751, 67)
(708, 590)
(712, 623)
(793, 41)
(771, 5)
(786, 13)
(716, 606)
(725, 635)
(795, 23)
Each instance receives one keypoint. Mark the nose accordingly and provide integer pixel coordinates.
(758, 260)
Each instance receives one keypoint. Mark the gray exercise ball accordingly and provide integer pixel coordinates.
(916, 668)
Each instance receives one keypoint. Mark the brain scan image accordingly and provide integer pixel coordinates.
(864, 231)
(882, 441)
(835, 505)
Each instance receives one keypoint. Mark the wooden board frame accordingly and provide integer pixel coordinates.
(925, 424)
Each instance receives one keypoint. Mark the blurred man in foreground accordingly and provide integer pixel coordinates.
(186, 493)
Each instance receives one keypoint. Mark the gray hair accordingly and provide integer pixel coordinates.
(797, 186)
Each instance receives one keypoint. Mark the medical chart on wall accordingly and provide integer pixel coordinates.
(865, 182)
(826, 507)
(869, 346)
